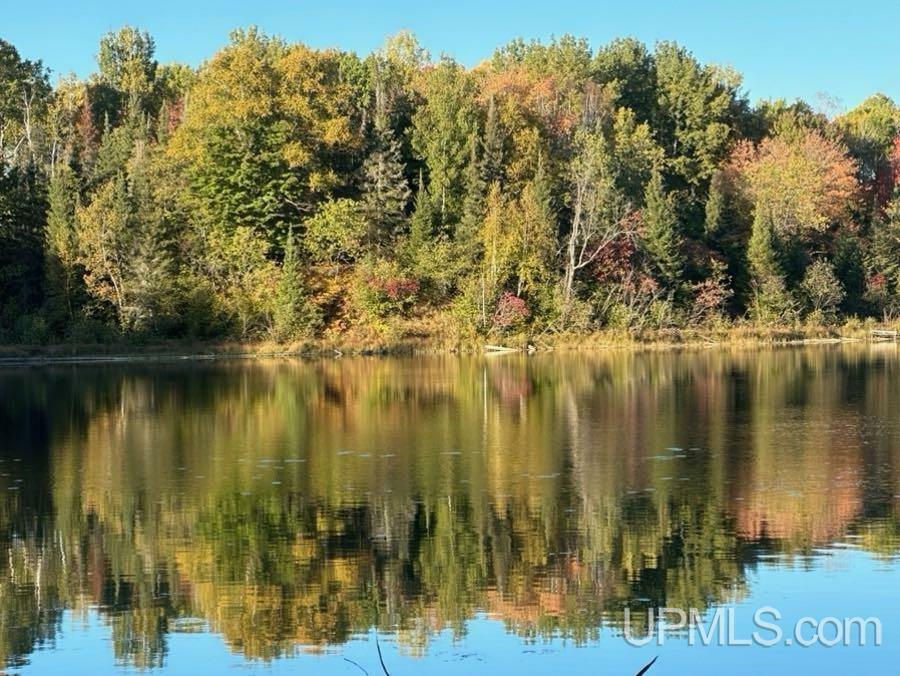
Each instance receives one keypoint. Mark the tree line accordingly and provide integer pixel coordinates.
(287, 193)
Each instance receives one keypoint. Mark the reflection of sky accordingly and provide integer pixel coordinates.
(841, 583)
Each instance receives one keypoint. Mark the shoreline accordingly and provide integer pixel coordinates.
(191, 351)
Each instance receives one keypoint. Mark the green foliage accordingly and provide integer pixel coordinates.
(535, 238)
(337, 232)
(626, 64)
(382, 289)
(245, 279)
(61, 249)
(661, 236)
(822, 288)
(698, 110)
(267, 193)
(849, 265)
(772, 302)
(126, 63)
(762, 252)
(715, 211)
(432, 257)
(385, 191)
(870, 130)
(293, 315)
(22, 207)
(442, 127)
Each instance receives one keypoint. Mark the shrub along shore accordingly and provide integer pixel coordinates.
(725, 336)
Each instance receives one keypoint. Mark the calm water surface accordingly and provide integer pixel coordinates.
(477, 515)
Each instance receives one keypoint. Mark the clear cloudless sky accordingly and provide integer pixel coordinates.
(784, 48)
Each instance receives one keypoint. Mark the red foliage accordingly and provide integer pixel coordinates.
(396, 288)
(710, 294)
(877, 281)
(519, 89)
(511, 310)
(887, 176)
(176, 115)
(88, 136)
(647, 285)
(615, 262)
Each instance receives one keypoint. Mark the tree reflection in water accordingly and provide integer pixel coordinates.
(290, 506)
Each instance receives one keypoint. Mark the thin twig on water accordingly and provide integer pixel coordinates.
(357, 665)
(380, 658)
(644, 669)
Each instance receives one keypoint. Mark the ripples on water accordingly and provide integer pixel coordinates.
(471, 510)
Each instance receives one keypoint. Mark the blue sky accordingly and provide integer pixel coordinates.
(784, 48)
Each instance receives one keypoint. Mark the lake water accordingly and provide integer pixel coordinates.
(465, 515)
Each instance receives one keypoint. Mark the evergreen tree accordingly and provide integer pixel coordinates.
(535, 236)
(761, 249)
(151, 267)
(884, 250)
(485, 168)
(22, 213)
(424, 219)
(152, 272)
(385, 191)
(714, 221)
(473, 206)
(293, 315)
(442, 133)
(883, 262)
(62, 275)
(772, 301)
(147, 192)
(661, 237)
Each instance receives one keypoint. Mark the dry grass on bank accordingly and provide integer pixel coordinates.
(439, 335)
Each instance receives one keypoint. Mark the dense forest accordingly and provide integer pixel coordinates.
(279, 192)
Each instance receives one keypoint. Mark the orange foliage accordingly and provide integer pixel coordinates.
(804, 182)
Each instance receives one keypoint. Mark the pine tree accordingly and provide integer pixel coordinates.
(152, 270)
(715, 207)
(385, 191)
(152, 264)
(61, 246)
(484, 169)
(761, 251)
(662, 239)
(293, 315)
(536, 234)
(772, 301)
(473, 206)
(423, 220)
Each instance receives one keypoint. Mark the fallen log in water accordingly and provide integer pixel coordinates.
(500, 348)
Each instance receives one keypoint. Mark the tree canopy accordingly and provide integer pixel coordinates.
(280, 191)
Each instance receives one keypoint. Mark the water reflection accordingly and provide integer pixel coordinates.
(288, 506)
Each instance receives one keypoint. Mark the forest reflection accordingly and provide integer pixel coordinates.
(289, 506)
